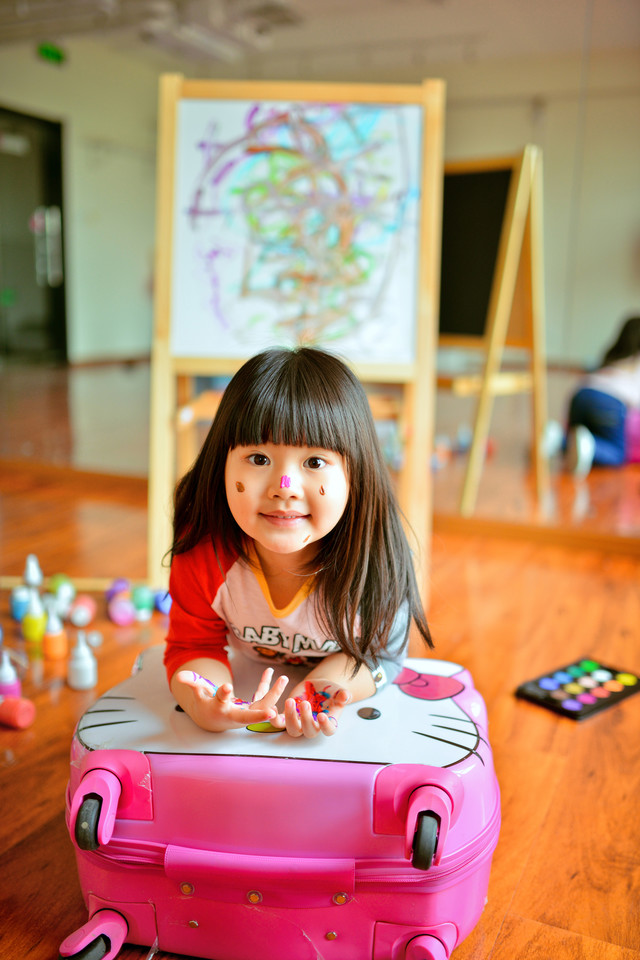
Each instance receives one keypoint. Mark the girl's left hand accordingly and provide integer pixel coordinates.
(314, 708)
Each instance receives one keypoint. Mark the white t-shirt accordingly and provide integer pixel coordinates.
(620, 379)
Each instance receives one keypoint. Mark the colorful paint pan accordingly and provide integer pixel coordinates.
(581, 688)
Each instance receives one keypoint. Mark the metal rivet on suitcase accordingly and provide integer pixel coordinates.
(187, 888)
(340, 898)
(254, 896)
(331, 935)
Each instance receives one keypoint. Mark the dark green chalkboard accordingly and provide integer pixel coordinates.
(473, 209)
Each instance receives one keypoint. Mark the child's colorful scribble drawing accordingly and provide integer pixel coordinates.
(296, 223)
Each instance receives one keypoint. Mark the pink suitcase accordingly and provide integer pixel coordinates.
(374, 844)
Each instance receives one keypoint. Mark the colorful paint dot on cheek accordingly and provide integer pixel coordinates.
(239, 486)
(322, 491)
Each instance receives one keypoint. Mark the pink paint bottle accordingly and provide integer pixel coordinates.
(10, 685)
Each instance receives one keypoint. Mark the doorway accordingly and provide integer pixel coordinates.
(32, 289)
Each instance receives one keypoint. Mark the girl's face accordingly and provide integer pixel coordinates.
(286, 498)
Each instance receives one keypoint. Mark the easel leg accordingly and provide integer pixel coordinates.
(161, 466)
(498, 315)
(538, 350)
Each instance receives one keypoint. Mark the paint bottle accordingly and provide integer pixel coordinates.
(35, 619)
(163, 601)
(32, 573)
(55, 645)
(16, 712)
(143, 600)
(10, 685)
(82, 673)
(20, 601)
(64, 593)
(120, 609)
(83, 610)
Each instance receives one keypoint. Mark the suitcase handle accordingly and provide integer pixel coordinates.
(274, 881)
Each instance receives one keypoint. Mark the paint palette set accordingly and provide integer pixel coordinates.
(580, 689)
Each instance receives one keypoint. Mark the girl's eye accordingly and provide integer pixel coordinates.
(315, 463)
(258, 459)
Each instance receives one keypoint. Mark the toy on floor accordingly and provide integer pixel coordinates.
(16, 712)
(82, 669)
(580, 689)
(55, 643)
(83, 610)
(10, 685)
(34, 622)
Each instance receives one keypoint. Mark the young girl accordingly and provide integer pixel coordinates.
(288, 553)
(599, 410)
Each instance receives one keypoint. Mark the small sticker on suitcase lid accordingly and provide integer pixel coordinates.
(430, 714)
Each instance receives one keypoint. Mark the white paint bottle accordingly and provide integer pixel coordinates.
(82, 673)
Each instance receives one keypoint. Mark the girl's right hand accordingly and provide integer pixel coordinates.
(215, 708)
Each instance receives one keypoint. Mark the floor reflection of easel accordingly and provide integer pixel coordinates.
(515, 316)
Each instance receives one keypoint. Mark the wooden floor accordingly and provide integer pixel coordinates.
(566, 873)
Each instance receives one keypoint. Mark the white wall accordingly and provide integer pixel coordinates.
(107, 104)
(588, 125)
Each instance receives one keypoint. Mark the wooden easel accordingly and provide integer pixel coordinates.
(515, 317)
(175, 411)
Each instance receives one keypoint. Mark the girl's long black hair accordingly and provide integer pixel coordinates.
(307, 397)
(627, 343)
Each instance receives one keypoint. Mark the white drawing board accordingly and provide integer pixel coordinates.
(296, 222)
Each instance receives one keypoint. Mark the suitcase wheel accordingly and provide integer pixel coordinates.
(95, 950)
(100, 938)
(426, 948)
(425, 840)
(86, 829)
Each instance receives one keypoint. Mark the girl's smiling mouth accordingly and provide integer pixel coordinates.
(284, 517)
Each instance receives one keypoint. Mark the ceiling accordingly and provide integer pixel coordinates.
(293, 35)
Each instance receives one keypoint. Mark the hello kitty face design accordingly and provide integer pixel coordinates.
(430, 714)
(450, 726)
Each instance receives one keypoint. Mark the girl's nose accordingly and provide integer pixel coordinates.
(285, 486)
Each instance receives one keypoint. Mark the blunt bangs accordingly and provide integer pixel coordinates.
(297, 398)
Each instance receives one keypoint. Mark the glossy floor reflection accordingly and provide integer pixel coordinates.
(97, 419)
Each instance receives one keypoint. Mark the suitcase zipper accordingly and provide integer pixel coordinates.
(138, 852)
(150, 853)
